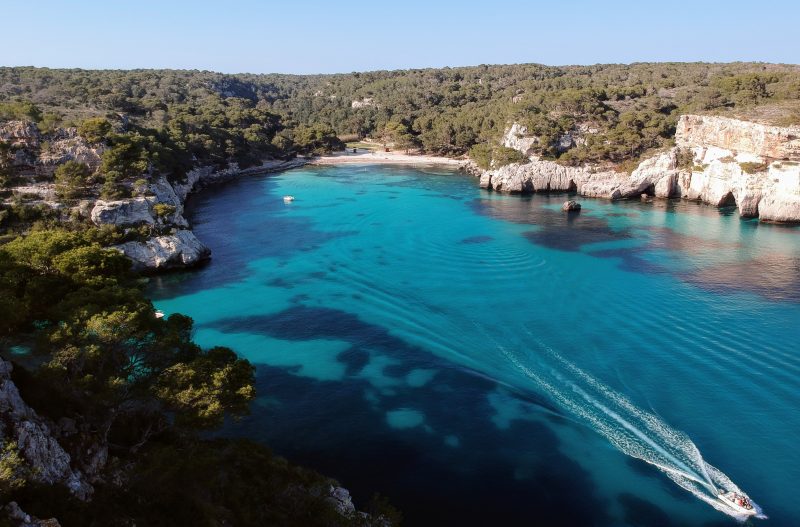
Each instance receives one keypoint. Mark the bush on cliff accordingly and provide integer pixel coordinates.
(72, 180)
(94, 130)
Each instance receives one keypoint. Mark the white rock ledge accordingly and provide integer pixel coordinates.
(172, 251)
(752, 166)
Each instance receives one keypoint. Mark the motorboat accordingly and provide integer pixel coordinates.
(159, 313)
(737, 502)
(288, 199)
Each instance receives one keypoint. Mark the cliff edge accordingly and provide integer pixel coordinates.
(716, 160)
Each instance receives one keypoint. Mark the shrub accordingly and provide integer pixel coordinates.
(20, 111)
(72, 179)
(503, 156)
(753, 168)
(481, 154)
(94, 130)
(163, 210)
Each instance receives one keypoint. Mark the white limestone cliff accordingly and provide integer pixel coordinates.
(753, 166)
(181, 249)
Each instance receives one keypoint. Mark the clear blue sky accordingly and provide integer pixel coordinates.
(308, 36)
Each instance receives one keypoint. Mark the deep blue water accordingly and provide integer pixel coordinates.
(487, 359)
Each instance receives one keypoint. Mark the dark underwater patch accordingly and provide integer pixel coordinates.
(643, 513)
(279, 282)
(475, 240)
(775, 277)
(260, 229)
(555, 229)
(420, 474)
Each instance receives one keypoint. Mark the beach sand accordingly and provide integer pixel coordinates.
(367, 157)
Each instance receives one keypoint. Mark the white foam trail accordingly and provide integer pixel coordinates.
(633, 431)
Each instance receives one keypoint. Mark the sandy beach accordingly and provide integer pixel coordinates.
(367, 157)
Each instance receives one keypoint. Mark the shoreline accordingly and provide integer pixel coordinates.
(386, 158)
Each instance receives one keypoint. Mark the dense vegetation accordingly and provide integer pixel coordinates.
(614, 112)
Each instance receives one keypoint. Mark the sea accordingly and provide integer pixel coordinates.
(481, 359)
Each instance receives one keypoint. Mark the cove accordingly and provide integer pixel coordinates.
(484, 359)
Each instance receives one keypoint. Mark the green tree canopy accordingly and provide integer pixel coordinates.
(72, 179)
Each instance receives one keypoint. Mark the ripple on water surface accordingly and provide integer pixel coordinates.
(385, 305)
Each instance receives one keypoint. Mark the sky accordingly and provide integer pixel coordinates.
(311, 36)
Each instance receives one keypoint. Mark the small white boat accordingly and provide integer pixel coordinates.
(288, 199)
(159, 313)
(737, 502)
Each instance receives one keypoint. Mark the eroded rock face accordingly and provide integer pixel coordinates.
(340, 498)
(749, 165)
(66, 145)
(20, 134)
(517, 137)
(50, 463)
(20, 518)
(178, 250)
(128, 212)
(775, 142)
(140, 211)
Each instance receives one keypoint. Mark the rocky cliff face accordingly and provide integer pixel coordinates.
(179, 248)
(548, 176)
(171, 244)
(35, 153)
(752, 166)
(48, 461)
(772, 142)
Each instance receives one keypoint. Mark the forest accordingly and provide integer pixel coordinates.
(622, 111)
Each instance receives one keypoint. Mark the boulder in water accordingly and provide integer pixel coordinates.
(571, 206)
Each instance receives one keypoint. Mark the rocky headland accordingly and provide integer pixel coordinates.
(716, 160)
(179, 247)
(169, 242)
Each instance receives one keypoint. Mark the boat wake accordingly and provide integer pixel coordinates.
(635, 432)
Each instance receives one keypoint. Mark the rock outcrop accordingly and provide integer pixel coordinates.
(773, 142)
(571, 206)
(752, 166)
(20, 134)
(181, 249)
(48, 461)
(20, 518)
(517, 137)
(128, 212)
(66, 145)
(40, 154)
(141, 210)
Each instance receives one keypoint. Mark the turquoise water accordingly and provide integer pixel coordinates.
(481, 358)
